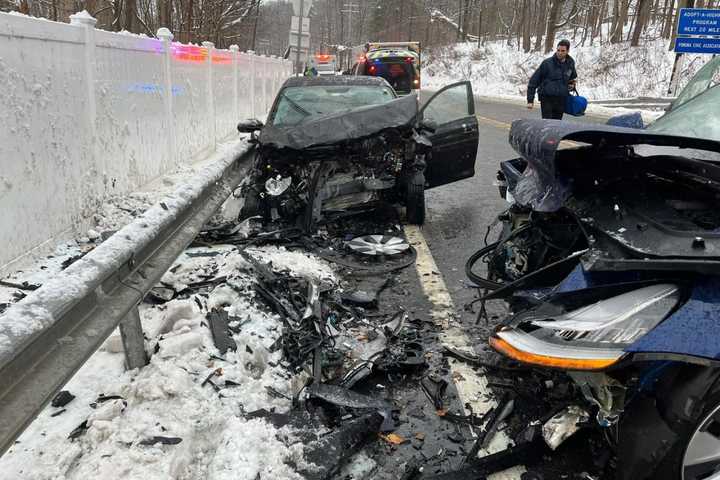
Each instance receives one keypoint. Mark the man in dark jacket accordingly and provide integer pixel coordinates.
(553, 80)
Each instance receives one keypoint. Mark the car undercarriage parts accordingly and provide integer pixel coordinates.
(495, 419)
(563, 424)
(277, 185)
(603, 391)
(378, 245)
(530, 243)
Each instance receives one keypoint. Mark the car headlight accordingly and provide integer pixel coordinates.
(590, 337)
(275, 186)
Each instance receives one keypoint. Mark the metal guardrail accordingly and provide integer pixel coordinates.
(48, 336)
(642, 103)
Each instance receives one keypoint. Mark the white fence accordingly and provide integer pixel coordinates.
(86, 113)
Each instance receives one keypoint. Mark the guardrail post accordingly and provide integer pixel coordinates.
(133, 340)
(166, 36)
(210, 46)
(235, 65)
(252, 83)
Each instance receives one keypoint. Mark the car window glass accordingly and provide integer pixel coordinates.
(398, 73)
(700, 117)
(448, 106)
(297, 104)
(707, 77)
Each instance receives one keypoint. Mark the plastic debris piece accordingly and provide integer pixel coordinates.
(434, 388)
(329, 453)
(79, 430)
(62, 398)
(346, 398)
(498, 415)
(394, 438)
(160, 439)
(563, 425)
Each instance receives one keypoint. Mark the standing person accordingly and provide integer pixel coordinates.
(310, 70)
(553, 80)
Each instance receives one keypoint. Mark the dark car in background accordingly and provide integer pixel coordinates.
(332, 145)
(397, 62)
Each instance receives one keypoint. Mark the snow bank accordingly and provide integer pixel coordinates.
(168, 399)
(604, 71)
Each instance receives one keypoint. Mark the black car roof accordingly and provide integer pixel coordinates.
(335, 80)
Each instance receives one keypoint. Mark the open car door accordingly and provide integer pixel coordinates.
(455, 140)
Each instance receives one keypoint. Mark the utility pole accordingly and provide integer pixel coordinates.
(350, 8)
(255, 24)
(299, 41)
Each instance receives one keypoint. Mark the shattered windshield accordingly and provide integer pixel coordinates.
(699, 118)
(707, 77)
(298, 104)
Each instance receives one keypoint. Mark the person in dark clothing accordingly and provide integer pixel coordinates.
(553, 80)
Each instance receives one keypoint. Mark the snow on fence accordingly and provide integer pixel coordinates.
(86, 113)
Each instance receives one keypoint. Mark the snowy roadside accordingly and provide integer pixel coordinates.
(593, 110)
(116, 212)
(185, 414)
(604, 71)
(194, 412)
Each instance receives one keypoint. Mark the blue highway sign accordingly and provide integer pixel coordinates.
(699, 21)
(697, 45)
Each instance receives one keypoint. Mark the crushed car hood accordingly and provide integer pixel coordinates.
(632, 229)
(537, 141)
(339, 127)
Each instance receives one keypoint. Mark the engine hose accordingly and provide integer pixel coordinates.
(476, 279)
(484, 282)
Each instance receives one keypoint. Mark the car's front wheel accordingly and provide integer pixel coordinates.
(676, 435)
(415, 199)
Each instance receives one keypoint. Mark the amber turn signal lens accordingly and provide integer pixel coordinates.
(551, 362)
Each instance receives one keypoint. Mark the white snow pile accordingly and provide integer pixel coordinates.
(188, 391)
(604, 71)
(117, 213)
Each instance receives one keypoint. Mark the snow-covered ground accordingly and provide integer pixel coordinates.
(115, 213)
(169, 397)
(604, 71)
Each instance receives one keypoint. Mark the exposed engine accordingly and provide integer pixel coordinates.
(301, 185)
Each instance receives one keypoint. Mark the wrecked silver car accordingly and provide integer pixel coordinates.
(610, 261)
(336, 145)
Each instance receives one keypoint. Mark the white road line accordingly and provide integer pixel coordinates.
(472, 386)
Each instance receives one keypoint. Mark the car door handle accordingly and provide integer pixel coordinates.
(468, 128)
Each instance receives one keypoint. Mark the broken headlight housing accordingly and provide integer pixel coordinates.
(565, 333)
(277, 185)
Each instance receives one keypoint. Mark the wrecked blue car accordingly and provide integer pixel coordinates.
(609, 259)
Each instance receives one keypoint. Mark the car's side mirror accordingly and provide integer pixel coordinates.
(250, 125)
(429, 125)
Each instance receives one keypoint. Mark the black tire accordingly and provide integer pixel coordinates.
(415, 199)
(658, 431)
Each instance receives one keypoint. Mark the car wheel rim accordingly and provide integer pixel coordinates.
(378, 245)
(702, 456)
